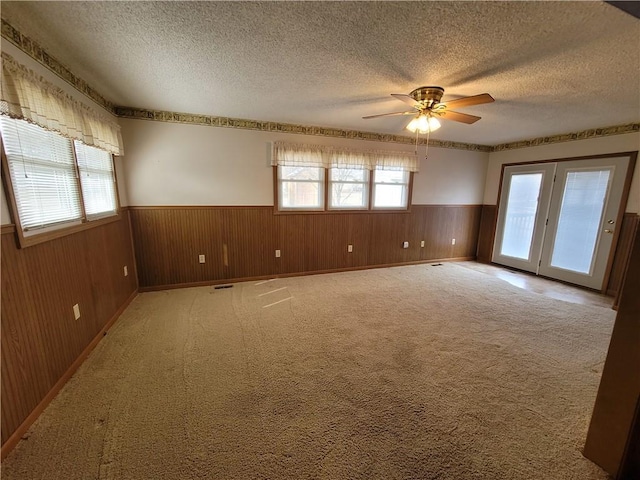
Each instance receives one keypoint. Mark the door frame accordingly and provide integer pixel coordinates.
(594, 278)
(633, 155)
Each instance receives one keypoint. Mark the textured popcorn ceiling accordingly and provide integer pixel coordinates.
(553, 67)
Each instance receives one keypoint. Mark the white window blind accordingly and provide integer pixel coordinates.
(97, 181)
(43, 174)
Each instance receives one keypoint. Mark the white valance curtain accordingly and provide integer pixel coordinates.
(302, 155)
(27, 96)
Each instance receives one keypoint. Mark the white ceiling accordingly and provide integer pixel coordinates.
(553, 67)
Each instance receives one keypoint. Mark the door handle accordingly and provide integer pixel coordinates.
(608, 231)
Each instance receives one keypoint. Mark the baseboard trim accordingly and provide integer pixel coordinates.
(156, 288)
(13, 440)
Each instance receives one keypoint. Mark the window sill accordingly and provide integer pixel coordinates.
(36, 239)
(374, 211)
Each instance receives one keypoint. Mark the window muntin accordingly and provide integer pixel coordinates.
(390, 188)
(348, 188)
(301, 188)
(43, 170)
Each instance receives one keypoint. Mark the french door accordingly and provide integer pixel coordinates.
(558, 219)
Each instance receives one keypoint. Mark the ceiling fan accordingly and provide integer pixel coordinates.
(427, 108)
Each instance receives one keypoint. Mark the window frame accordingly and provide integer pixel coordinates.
(331, 182)
(327, 210)
(374, 184)
(86, 171)
(322, 183)
(65, 228)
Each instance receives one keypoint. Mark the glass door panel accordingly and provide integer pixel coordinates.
(582, 220)
(522, 207)
(579, 220)
(524, 202)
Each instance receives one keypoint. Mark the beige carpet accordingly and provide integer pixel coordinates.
(416, 372)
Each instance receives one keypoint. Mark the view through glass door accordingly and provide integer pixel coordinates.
(524, 203)
(558, 219)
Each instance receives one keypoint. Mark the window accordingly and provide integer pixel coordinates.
(390, 188)
(97, 180)
(322, 178)
(348, 188)
(56, 181)
(301, 188)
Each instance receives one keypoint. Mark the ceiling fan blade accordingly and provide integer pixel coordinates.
(459, 117)
(405, 98)
(412, 112)
(468, 101)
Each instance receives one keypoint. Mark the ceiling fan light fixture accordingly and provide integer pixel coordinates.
(423, 124)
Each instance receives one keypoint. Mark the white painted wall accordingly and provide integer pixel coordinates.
(180, 164)
(450, 177)
(30, 63)
(5, 217)
(593, 146)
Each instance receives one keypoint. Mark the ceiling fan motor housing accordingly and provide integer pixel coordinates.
(427, 95)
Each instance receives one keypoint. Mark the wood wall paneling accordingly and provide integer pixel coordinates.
(488, 221)
(387, 233)
(290, 240)
(630, 222)
(168, 241)
(630, 464)
(466, 230)
(359, 229)
(611, 431)
(439, 232)
(40, 284)
(325, 239)
(250, 238)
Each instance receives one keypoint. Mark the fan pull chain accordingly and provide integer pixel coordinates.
(426, 150)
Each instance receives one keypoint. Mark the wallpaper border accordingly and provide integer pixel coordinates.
(40, 55)
(569, 137)
(268, 126)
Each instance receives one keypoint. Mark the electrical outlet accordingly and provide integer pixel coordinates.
(453, 241)
(422, 244)
(405, 244)
(126, 271)
(201, 258)
(76, 311)
(349, 248)
(277, 253)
